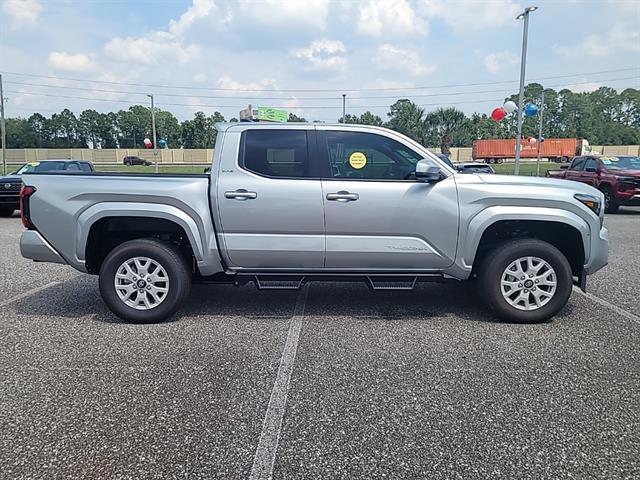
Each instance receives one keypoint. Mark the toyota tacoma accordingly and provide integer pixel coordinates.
(285, 204)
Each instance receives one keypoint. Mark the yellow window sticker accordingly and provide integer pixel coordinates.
(357, 160)
(33, 164)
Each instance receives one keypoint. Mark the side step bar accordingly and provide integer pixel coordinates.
(269, 282)
(392, 283)
(293, 282)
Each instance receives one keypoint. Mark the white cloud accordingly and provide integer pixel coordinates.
(23, 12)
(290, 13)
(152, 49)
(584, 87)
(198, 10)
(389, 57)
(228, 83)
(620, 38)
(322, 54)
(72, 61)
(200, 77)
(389, 17)
(471, 15)
(499, 61)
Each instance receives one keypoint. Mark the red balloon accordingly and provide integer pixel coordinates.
(498, 114)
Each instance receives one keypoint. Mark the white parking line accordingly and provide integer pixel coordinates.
(28, 292)
(264, 459)
(611, 306)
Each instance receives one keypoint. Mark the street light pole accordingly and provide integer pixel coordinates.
(523, 62)
(3, 131)
(153, 127)
(344, 108)
(540, 135)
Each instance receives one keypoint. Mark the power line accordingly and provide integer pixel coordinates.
(190, 87)
(309, 107)
(442, 94)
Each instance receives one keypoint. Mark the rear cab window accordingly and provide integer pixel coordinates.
(276, 153)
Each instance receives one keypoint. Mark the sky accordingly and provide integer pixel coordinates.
(302, 55)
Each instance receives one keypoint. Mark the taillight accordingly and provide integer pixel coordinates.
(25, 193)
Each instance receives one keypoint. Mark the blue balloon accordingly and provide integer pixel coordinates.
(162, 142)
(530, 110)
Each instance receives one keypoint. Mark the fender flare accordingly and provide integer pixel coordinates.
(491, 215)
(204, 249)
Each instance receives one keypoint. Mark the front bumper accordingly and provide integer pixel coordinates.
(35, 247)
(599, 252)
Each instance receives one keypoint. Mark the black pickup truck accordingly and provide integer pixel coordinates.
(11, 184)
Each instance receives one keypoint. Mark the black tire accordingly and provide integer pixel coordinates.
(127, 163)
(7, 212)
(494, 265)
(166, 256)
(610, 202)
(500, 160)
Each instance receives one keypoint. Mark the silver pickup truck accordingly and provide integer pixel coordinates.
(285, 204)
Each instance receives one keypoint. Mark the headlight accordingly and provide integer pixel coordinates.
(622, 178)
(593, 203)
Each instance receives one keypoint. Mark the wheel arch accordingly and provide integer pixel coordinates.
(560, 228)
(112, 221)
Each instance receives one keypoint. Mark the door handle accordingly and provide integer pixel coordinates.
(343, 196)
(241, 194)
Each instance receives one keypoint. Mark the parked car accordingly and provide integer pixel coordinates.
(285, 204)
(618, 178)
(10, 185)
(474, 168)
(133, 160)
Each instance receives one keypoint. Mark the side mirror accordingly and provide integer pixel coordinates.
(427, 172)
(564, 167)
(590, 169)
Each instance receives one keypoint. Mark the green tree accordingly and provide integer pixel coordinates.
(447, 127)
(406, 117)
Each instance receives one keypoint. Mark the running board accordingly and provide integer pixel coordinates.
(392, 283)
(272, 282)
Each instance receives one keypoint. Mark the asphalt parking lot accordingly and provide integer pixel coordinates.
(331, 382)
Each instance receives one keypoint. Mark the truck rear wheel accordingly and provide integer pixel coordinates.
(144, 281)
(525, 281)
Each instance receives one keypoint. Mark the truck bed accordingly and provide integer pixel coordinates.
(65, 206)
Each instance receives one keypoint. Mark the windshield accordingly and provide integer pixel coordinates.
(621, 163)
(38, 167)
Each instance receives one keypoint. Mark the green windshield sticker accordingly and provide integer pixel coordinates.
(272, 114)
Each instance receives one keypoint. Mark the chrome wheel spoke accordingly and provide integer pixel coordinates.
(141, 283)
(528, 283)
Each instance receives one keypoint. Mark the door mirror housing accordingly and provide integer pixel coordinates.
(427, 172)
(564, 167)
(591, 169)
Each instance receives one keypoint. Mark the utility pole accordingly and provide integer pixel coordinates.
(153, 127)
(344, 108)
(3, 130)
(540, 134)
(523, 62)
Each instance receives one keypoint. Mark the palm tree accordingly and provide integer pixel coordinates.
(447, 126)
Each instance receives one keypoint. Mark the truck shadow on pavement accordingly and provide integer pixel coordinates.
(79, 299)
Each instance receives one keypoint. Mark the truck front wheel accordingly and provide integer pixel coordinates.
(144, 281)
(610, 203)
(525, 281)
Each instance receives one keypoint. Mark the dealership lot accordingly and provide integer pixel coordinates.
(421, 384)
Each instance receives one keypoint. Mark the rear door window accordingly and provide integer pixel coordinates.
(276, 153)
